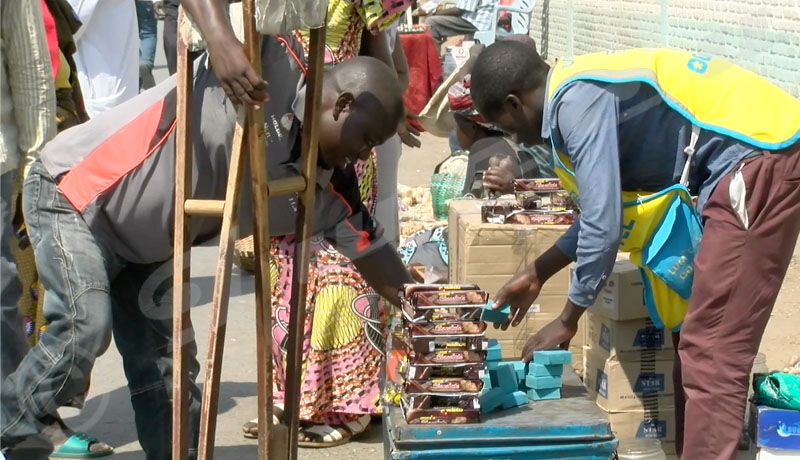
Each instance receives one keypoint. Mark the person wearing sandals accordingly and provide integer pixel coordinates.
(345, 324)
(60, 25)
(101, 230)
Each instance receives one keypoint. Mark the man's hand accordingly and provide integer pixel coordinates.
(499, 177)
(557, 333)
(407, 132)
(159, 10)
(519, 292)
(238, 78)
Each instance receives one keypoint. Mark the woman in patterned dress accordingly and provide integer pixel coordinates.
(345, 319)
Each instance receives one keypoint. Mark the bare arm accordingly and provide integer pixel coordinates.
(407, 132)
(229, 61)
(384, 271)
(400, 62)
(375, 45)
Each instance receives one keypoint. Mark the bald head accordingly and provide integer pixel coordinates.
(373, 84)
(362, 106)
(524, 39)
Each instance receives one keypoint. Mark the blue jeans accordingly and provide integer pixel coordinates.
(148, 32)
(14, 343)
(90, 291)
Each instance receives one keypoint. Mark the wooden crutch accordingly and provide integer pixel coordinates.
(273, 443)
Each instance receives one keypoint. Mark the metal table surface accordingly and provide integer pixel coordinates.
(571, 427)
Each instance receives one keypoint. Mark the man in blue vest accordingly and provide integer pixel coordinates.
(625, 136)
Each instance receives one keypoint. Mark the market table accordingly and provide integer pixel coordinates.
(571, 428)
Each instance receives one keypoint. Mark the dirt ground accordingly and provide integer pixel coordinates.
(781, 340)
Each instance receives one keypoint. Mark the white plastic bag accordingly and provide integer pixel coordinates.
(274, 17)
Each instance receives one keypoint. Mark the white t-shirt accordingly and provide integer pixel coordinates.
(108, 52)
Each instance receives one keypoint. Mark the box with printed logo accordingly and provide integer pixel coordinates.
(657, 423)
(622, 297)
(628, 385)
(775, 428)
(630, 340)
(490, 254)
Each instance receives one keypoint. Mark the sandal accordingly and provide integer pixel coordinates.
(251, 428)
(81, 445)
(321, 436)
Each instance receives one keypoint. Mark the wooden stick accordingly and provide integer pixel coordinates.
(221, 295)
(258, 178)
(181, 316)
(305, 215)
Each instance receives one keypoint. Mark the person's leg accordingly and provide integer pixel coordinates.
(14, 344)
(738, 273)
(142, 316)
(386, 211)
(148, 36)
(171, 34)
(75, 271)
(444, 27)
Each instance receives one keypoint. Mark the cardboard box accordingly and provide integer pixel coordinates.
(631, 340)
(652, 424)
(622, 298)
(775, 428)
(766, 453)
(490, 254)
(619, 386)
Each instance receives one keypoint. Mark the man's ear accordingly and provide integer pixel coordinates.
(512, 101)
(344, 103)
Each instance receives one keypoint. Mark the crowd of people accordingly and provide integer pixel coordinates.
(88, 145)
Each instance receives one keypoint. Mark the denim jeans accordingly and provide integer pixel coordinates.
(148, 32)
(90, 291)
(14, 343)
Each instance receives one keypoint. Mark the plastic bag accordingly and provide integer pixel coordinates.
(275, 17)
(778, 390)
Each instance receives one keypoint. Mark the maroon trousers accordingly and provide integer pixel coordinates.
(738, 273)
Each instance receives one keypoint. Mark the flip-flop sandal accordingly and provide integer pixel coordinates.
(322, 436)
(78, 446)
(250, 428)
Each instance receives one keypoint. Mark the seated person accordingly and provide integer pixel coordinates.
(100, 206)
(468, 17)
(494, 161)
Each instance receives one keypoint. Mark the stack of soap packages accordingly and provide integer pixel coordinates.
(543, 202)
(544, 374)
(537, 202)
(512, 383)
(446, 346)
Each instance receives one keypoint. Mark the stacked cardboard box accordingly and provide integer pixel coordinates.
(775, 433)
(490, 254)
(628, 361)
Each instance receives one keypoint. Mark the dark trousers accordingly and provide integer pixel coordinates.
(738, 273)
(171, 34)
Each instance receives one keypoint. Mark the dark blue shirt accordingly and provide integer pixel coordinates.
(624, 137)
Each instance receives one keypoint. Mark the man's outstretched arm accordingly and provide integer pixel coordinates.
(229, 61)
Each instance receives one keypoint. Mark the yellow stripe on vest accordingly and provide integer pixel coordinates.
(712, 93)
